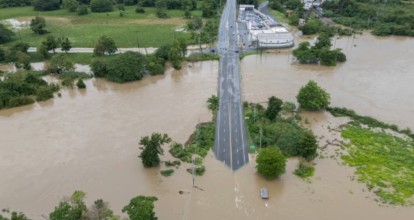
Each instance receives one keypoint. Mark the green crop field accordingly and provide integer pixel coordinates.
(84, 31)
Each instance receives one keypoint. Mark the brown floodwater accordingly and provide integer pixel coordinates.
(376, 80)
(41, 66)
(88, 140)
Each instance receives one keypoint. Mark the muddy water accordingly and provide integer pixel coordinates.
(88, 140)
(376, 80)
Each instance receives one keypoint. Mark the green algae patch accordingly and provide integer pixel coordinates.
(385, 163)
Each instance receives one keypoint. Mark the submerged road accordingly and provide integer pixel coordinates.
(231, 145)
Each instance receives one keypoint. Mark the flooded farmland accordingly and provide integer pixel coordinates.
(88, 140)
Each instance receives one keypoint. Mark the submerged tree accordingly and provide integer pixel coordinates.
(271, 163)
(80, 84)
(313, 97)
(308, 145)
(60, 64)
(274, 107)
(174, 55)
(151, 148)
(213, 102)
(70, 208)
(141, 208)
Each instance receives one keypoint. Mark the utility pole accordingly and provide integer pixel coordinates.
(201, 49)
(193, 172)
(260, 138)
(137, 39)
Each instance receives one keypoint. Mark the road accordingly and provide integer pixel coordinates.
(231, 145)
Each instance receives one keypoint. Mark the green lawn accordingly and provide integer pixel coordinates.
(84, 31)
(279, 15)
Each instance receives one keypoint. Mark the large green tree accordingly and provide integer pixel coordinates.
(271, 163)
(313, 97)
(161, 6)
(60, 64)
(37, 24)
(213, 102)
(174, 55)
(65, 44)
(5, 34)
(98, 67)
(70, 5)
(46, 5)
(101, 6)
(51, 43)
(308, 145)
(151, 148)
(274, 107)
(105, 45)
(141, 208)
(126, 67)
(73, 209)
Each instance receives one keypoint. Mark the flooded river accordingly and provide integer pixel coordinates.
(88, 140)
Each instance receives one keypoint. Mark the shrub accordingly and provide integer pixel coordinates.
(167, 173)
(68, 82)
(121, 7)
(121, 14)
(98, 67)
(105, 45)
(70, 5)
(46, 5)
(275, 105)
(43, 94)
(82, 10)
(304, 171)
(80, 84)
(130, 2)
(19, 101)
(101, 6)
(5, 35)
(60, 64)
(308, 145)
(139, 9)
(199, 171)
(288, 107)
(313, 97)
(174, 163)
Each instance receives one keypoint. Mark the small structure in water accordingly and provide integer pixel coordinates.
(263, 193)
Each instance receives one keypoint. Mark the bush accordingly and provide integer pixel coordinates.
(60, 64)
(105, 45)
(308, 145)
(174, 163)
(304, 171)
(82, 10)
(313, 97)
(19, 101)
(68, 82)
(139, 9)
(46, 5)
(121, 7)
(271, 163)
(126, 67)
(98, 67)
(130, 2)
(121, 14)
(167, 173)
(43, 94)
(70, 5)
(199, 171)
(80, 84)
(288, 107)
(101, 6)
(274, 107)
(5, 35)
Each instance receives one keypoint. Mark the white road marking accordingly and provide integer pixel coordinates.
(224, 150)
(224, 130)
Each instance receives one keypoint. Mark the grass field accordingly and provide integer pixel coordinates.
(79, 58)
(84, 31)
(279, 15)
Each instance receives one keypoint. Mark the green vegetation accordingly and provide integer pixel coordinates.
(271, 163)
(141, 207)
(321, 51)
(5, 34)
(46, 5)
(101, 6)
(369, 121)
(105, 45)
(15, 216)
(17, 89)
(385, 18)
(313, 97)
(126, 67)
(167, 173)
(304, 171)
(151, 148)
(314, 26)
(280, 17)
(80, 84)
(213, 103)
(199, 171)
(274, 107)
(285, 133)
(384, 163)
(247, 54)
(195, 57)
(174, 163)
(288, 107)
(37, 24)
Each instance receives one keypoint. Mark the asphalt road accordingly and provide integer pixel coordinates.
(231, 145)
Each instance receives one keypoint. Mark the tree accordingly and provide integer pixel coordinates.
(161, 7)
(70, 5)
(42, 50)
(101, 6)
(100, 211)
(98, 67)
(37, 24)
(187, 13)
(23, 60)
(208, 9)
(313, 97)
(303, 53)
(139, 9)
(66, 44)
(288, 107)
(73, 208)
(197, 23)
(162, 52)
(174, 55)
(271, 163)
(213, 102)
(274, 107)
(82, 10)
(308, 145)
(5, 34)
(294, 19)
(151, 148)
(18, 216)
(323, 41)
(60, 64)
(51, 43)
(46, 5)
(183, 45)
(105, 45)
(141, 208)
(126, 67)
(80, 84)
